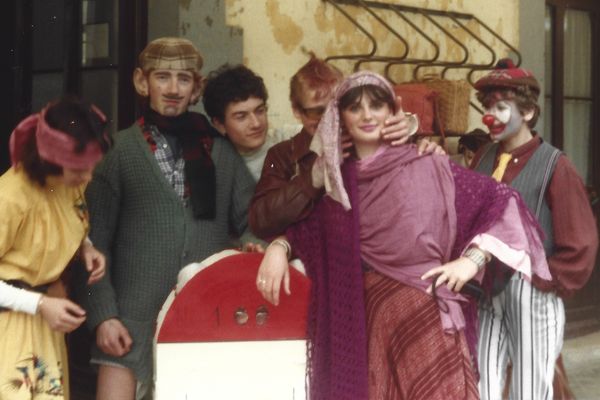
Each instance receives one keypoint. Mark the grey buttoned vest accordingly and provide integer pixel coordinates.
(532, 183)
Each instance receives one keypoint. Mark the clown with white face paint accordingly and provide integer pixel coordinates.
(523, 321)
(507, 123)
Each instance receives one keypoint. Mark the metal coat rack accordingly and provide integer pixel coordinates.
(436, 19)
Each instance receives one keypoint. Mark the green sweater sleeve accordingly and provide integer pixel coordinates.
(103, 197)
(242, 192)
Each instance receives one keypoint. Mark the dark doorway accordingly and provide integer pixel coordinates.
(572, 116)
(87, 48)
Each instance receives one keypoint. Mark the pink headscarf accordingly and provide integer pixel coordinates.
(327, 141)
(401, 195)
(53, 145)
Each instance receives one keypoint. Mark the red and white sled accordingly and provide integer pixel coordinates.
(217, 338)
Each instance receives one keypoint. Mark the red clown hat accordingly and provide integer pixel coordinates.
(506, 75)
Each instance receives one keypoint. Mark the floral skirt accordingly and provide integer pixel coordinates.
(33, 361)
(410, 355)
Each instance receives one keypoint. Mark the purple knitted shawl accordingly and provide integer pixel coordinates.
(328, 243)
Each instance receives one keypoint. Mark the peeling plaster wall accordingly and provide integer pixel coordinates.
(531, 21)
(202, 22)
(277, 35)
(273, 36)
(163, 19)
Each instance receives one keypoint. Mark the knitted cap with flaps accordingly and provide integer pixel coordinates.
(170, 53)
(507, 75)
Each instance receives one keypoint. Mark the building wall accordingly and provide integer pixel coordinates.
(277, 35)
(531, 23)
(202, 22)
(273, 37)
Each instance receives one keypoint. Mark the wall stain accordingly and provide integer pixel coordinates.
(233, 9)
(285, 31)
(184, 27)
(323, 17)
(209, 21)
(185, 4)
(235, 31)
(231, 3)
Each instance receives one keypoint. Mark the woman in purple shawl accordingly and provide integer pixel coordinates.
(392, 221)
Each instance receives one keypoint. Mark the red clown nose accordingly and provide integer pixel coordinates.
(488, 120)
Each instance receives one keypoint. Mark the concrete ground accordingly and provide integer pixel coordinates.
(581, 356)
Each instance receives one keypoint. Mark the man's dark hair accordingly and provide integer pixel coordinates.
(231, 84)
(77, 119)
(473, 140)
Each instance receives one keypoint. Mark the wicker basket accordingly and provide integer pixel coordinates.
(453, 103)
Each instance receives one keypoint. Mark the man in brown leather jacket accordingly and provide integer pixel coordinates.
(286, 192)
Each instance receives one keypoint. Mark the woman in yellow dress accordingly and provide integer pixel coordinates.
(43, 225)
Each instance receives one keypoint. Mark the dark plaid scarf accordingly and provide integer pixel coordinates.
(195, 136)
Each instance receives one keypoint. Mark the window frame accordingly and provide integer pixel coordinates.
(558, 10)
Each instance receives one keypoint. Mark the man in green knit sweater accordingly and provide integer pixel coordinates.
(171, 191)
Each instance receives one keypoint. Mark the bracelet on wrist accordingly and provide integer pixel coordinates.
(285, 244)
(477, 256)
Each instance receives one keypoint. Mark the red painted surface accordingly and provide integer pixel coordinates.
(204, 310)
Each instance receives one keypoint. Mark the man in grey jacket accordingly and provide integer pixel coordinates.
(170, 192)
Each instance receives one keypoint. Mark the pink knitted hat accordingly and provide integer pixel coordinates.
(53, 145)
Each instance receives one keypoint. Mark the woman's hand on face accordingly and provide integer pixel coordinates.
(95, 262)
(61, 314)
(273, 270)
(456, 273)
(397, 127)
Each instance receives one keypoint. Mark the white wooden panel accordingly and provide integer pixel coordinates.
(261, 370)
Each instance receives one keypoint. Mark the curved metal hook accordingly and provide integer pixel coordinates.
(389, 28)
(510, 47)
(452, 37)
(363, 30)
(421, 32)
(436, 53)
(478, 39)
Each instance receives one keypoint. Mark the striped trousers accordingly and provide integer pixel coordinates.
(526, 326)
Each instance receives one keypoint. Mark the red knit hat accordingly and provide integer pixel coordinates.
(506, 75)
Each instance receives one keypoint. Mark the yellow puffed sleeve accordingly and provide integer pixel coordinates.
(12, 210)
(41, 228)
